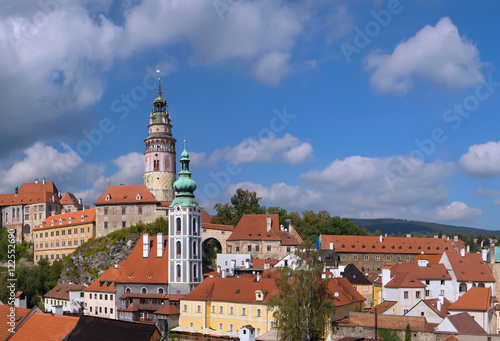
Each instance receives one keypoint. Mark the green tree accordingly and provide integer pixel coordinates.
(225, 214)
(388, 335)
(245, 202)
(304, 305)
(281, 212)
(408, 333)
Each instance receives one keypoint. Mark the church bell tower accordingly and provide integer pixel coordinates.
(159, 156)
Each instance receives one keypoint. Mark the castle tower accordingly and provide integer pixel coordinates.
(184, 237)
(159, 156)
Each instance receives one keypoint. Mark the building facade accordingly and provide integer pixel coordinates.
(59, 235)
(65, 298)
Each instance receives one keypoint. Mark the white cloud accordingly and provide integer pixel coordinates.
(395, 186)
(272, 67)
(456, 212)
(436, 54)
(288, 149)
(281, 194)
(482, 160)
(40, 161)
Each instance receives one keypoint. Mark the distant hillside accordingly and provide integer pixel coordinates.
(401, 226)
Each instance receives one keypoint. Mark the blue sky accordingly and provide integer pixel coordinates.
(363, 108)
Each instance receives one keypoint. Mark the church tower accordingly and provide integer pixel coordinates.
(159, 156)
(184, 237)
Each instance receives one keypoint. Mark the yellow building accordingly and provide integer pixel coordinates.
(228, 304)
(59, 235)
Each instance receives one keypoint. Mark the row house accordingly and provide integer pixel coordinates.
(59, 235)
(65, 298)
(371, 253)
(262, 236)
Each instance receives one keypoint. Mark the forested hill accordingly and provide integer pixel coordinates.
(401, 226)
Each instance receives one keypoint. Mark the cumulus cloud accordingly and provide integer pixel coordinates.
(288, 149)
(482, 160)
(40, 161)
(456, 212)
(437, 54)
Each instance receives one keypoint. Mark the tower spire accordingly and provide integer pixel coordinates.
(185, 185)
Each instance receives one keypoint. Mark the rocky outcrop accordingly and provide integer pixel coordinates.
(91, 259)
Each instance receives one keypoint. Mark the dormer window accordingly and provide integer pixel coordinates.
(60, 221)
(83, 217)
(138, 196)
(53, 222)
(259, 295)
(108, 197)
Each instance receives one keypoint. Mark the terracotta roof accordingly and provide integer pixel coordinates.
(28, 198)
(431, 271)
(258, 263)
(383, 307)
(130, 308)
(168, 310)
(45, 327)
(375, 277)
(404, 280)
(417, 323)
(233, 289)
(254, 227)
(404, 245)
(347, 293)
(136, 268)
(19, 315)
(217, 227)
(465, 324)
(432, 259)
(137, 295)
(470, 268)
(477, 299)
(19, 294)
(451, 338)
(126, 195)
(69, 199)
(432, 304)
(205, 217)
(68, 219)
(32, 187)
(94, 328)
(61, 291)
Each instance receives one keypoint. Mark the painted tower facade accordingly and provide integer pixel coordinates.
(159, 156)
(184, 238)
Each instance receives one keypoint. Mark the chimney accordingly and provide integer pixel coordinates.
(331, 245)
(462, 252)
(438, 304)
(80, 201)
(269, 221)
(116, 265)
(455, 238)
(258, 276)
(381, 238)
(386, 234)
(436, 236)
(43, 181)
(267, 266)
(468, 248)
(484, 254)
(145, 245)
(444, 236)
(36, 180)
(247, 263)
(223, 273)
(233, 267)
(16, 190)
(408, 235)
(218, 269)
(159, 245)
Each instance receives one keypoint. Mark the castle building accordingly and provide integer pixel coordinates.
(184, 238)
(159, 155)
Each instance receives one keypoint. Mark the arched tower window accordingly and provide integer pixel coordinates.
(178, 225)
(156, 165)
(178, 248)
(195, 272)
(178, 271)
(195, 228)
(195, 253)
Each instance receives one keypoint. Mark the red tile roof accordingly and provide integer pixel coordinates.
(476, 299)
(19, 294)
(432, 304)
(404, 280)
(383, 307)
(254, 227)
(69, 199)
(417, 324)
(28, 198)
(126, 195)
(205, 217)
(470, 268)
(61, 291)
(5, 310)
(375, 277)
(136, 268)
(217, 227)
(168, 310)
(258, 263)
(45, 327)
(404, 245)
(431, 271)
(138, 295)
(432, 259)
(32, 187)
(465, 324)
(347, 293)
(68, 219)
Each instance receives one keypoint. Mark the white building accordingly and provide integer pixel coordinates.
(65, 298)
